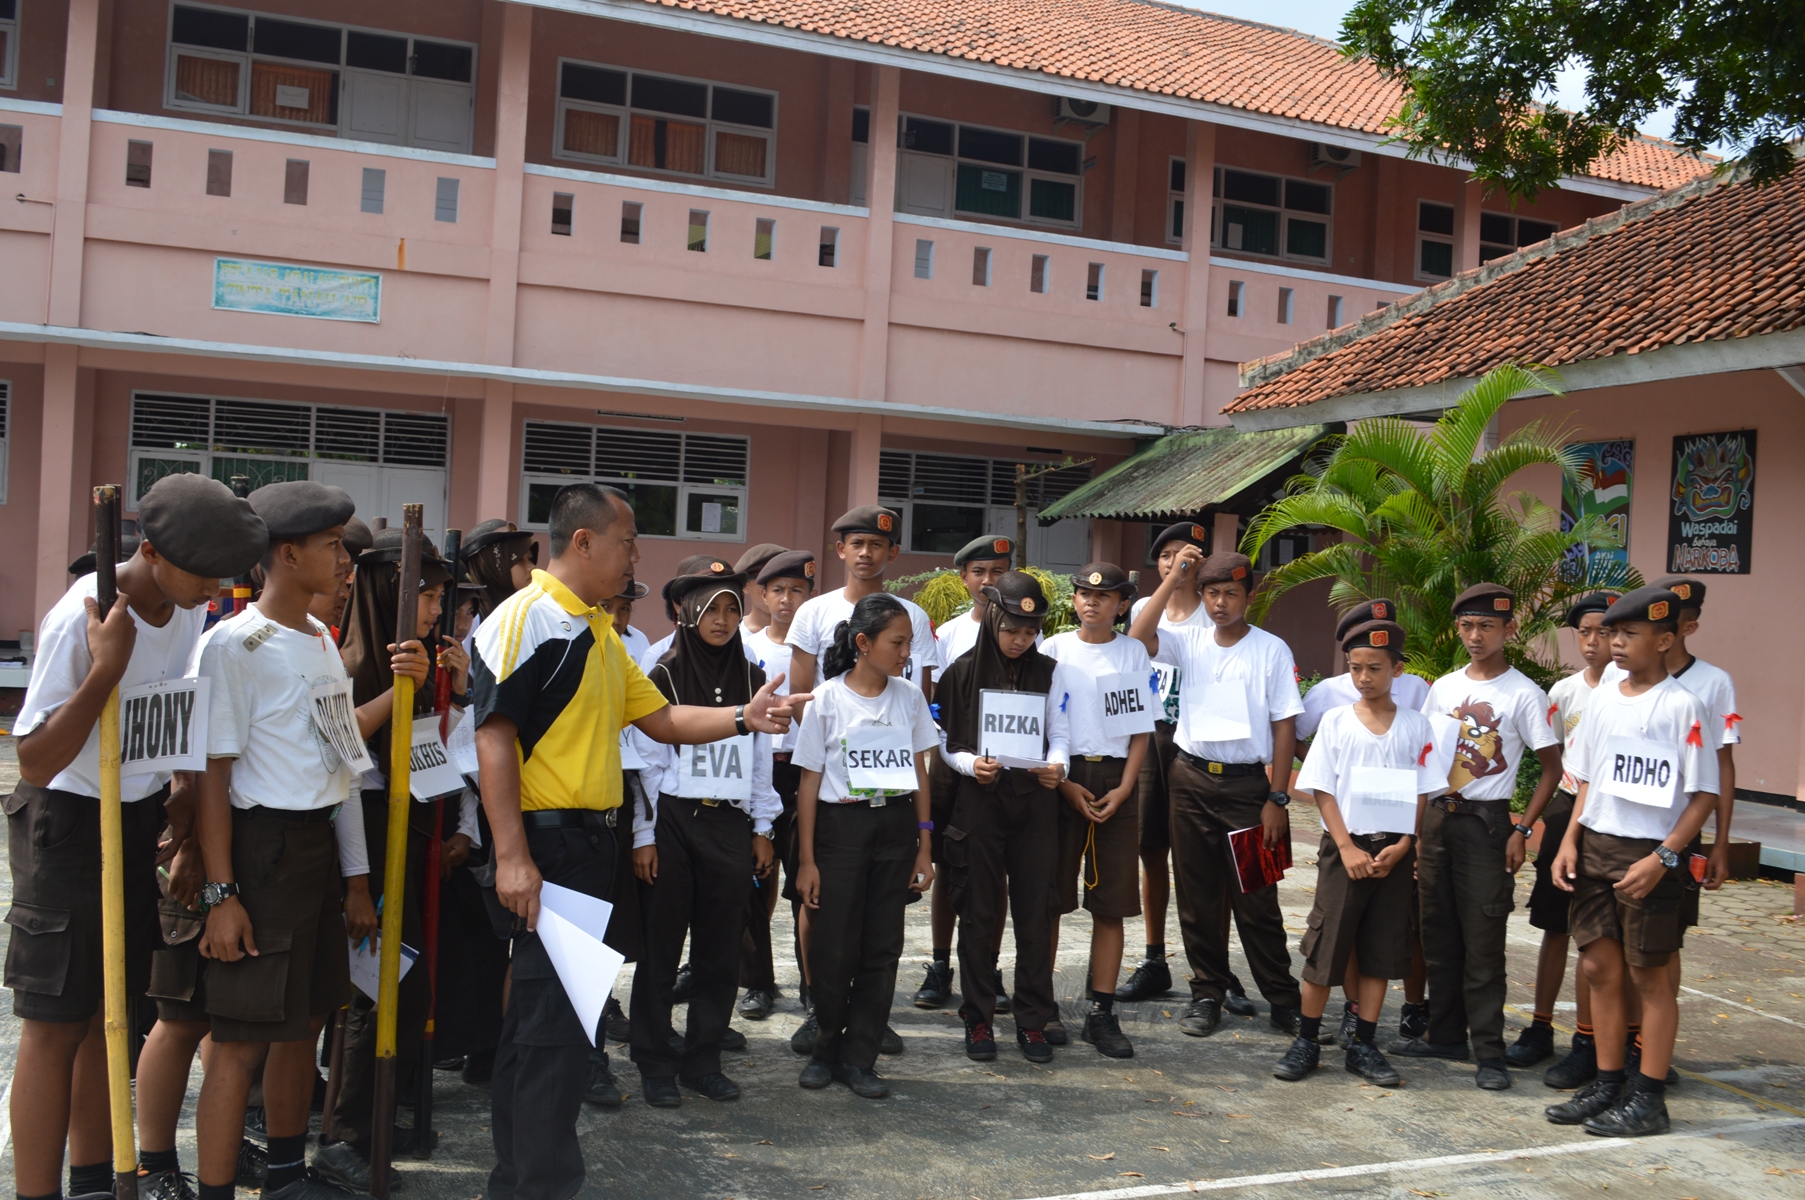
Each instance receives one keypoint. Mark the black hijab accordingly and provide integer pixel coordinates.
(370, 623)
(694, 672)
(959, 694)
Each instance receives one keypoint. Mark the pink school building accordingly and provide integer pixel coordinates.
(753, 260)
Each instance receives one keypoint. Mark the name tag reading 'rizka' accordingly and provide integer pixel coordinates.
(1013, 725)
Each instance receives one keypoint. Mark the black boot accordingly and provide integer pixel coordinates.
(1299, 1060)
(1640, 1113)
(1578, 1068)
(1599, 1096)
(1151, 978)
(1104, 1031)
(1236, 1003)
(936, 987)
(1413, 1020)
(1532, 1046)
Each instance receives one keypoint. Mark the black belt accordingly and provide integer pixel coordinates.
(782, 756)
(1101, 758)
(1372, 843)
(568, 818)
(1222, 769)
(296, 816)
(1485, 810)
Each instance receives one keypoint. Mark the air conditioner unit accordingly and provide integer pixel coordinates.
(1088, 111)
(1323, 155)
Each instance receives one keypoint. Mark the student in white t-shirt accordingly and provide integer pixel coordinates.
(1648, 779)
(1470, 845)
(980, 563)
(862, 831)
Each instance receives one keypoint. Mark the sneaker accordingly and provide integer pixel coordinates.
(167, 1185)
(1344, 1037)
(1056, 1034)
(345, 1166)
(1418, 1048)
(713, 1085)
(815, 1075)
(449, 1064)
(1151, 978)
(479, 1068)
(1104, 1031)
(757, 1004)
(980, 1042)
(618, 1027)
(1413, 1020)
(891, 1043)
(660, 1091)
(1588, 1102)
(862, 1082)
(1236, 1002)
(308, 1187)
(1491, 1076)
(803, 1040)
(601, 1090)
(1035, 1047)
(684, 986)
(1365, 1060)
(1201, 1018)
(1532, 1046)
(1637, 1114)
(1578, 1068)
(936, 986)
(256, 1123)
(253, 1164)
(1299, 1060)
(1288, 1019)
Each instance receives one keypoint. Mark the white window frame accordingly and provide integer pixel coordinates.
(6, 395)
(625, 113)
(1416, 262)
(684, 490)
(1219, 232)
(906, 504)
(1029, 174)
(1516, 220)
(9, 79)
(1175, 200)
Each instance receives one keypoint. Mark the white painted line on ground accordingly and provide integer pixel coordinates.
(1412, 1164)
(6, 1102)
(1744, 1007)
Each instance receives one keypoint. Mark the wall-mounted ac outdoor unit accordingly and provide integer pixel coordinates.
(1090, 112)
(1324, 155)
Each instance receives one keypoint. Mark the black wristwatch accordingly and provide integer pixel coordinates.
(1668, 858)
(739, 721)
(215, 894)
(1524, 830)
(1279, 798)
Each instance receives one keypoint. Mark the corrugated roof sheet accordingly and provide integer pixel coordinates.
(1186, 473)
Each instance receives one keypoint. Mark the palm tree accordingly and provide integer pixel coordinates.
(1423, 520)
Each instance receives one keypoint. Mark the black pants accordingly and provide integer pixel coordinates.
(704, 860)
(542, 1062)
(1001, 846)
(757, 966)
(866, 857)
(1466, 897)
(1205, 810)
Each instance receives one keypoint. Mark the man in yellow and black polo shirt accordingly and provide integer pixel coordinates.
(553, 688)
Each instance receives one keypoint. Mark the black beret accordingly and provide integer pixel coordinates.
(753, 561)
(705, 572)
(1380, 635)
(1020, 597)
(985, 549)
(299, 508)
(792, 564)
(358, 537)
(1185, 531)
(385, 547)
(1103, 577)
(201, 527)
(634, 590)
(487, 534)
(1360, 614)
(1226, 567)
(1486, 600)
(870, 518)
(1644, 604)
(128, 546)
(1690, 591)
(1597, 602)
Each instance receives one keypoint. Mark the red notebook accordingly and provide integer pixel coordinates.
(1257, 866)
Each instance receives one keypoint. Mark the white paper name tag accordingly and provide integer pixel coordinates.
(1639, 771)
(335, 717)
(630, 758)
(462, 742)
(1168, 680)
(1217, 712)
(163, 726)
(716, 770)
(431, 773)
(1127, 704)
(1380, 800)
(1013, 723)
(879, 759)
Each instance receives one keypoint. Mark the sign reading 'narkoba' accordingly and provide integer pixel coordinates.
(1711, 521)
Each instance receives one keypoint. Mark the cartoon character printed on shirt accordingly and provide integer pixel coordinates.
(1480, 750)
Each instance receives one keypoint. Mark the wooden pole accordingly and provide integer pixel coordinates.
(429, 901)
(112, 871)
(394, 874)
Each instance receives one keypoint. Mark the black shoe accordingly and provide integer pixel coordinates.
(1056, 1034)
(803, 1040)
(307, 1187)
(1365, 1060)
(936, 986)
(1637, 1114)
(1236, 1003)
(1005, 1003)
(1299, 1060)
(980, 1042)
(891, 1043)
(713, 1085)
(815, 1075)
(1532, 1046)
(256, 1123)
(619, 1029)
(660, 1091)
(1151, 978)
(757, 1004)
(1035, 1047)
(1104, 1031)
(1418, 1048)
(733, 1039)
(345, 1166)
(253, 1164)
(684, 986)
(1578, 1068)
(1632, 1057)
(1201, 1018)
(1491, 1076)
(601, 1089)
(166, 1185)
(1343, 1037)
(449, 1064)
(1287, 1019)
(1588, 1102)
(862, 1082)
(1413, 1020)
(479, 1068)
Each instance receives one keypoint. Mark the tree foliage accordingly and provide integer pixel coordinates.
(1478, 74)
(1424, 519)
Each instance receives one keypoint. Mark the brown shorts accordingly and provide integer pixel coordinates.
(1112, 869)
(1549, 904)
(1649, 928)
(53, 956)
(175, 968)
(288, 881)
(1370, 917)
(1155, 799)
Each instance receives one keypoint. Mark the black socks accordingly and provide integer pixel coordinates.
(218, 1191)
(1103, 1001)
(1615, 1077)
(1156, 952)
(287, 1161)
(943, 958)
(1655, 1087)
(1309, 1028)
(95, 1177)
(1365, 1031)
(155, 1162)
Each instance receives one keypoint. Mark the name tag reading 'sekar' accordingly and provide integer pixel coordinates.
(163, 726)
(1640, 771)
(1013, 723)
(879, 759)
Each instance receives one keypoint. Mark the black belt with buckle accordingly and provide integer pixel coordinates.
(568, 818)
(1486, 810)
(297, 816)
(1222, 769)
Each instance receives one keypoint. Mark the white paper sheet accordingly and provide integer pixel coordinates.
(571, 925)
(1217, 712)
(163, 725)
(335, 716)
(1021, 764)
(1382, 799)
(716, 770)
(1638, 770)
(1012, 723)
(431, 773)
(1128, 704)
(879, 758)
(366, 968)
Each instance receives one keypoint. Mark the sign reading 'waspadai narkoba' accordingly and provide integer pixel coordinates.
(284, 289)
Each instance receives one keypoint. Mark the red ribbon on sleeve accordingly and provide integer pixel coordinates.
(1695, 738)
(1552, 709)
(1422, 760)
(1730, 721)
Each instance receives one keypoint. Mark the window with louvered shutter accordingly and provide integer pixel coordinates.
(946, 498)
(683, 485)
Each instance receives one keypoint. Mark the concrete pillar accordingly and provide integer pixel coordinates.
(861, 476)
(62, 474)
(836, 158)
(69, 232)
(1466, 226)
(496, 494)
(1200, 170)
(1126, 168)
(510, 178)
(880, 197)
(812, 500)
(1385, 224)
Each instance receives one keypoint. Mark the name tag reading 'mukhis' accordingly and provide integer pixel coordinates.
(716, 770)
(1639, 771)
(1012, 725)
(335, 716)
(163, 726)
(431, 772)
(879, 759)
(1127, 704)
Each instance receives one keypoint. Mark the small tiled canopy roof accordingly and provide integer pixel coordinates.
(1161, 49)
(1715, 260)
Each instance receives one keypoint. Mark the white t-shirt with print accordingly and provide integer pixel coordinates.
(1498, 718)
(636, 643)
(1407, 691)
(1667, 715)
(61, 666)
(836, 708)
(1343, 742)
(1569, 698)
(1076, 701)
(1260, 663)
(812, 632)
(1715, 690)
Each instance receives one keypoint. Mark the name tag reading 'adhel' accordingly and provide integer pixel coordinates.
(1127, 704)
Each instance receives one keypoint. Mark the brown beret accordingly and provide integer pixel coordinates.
(1226, 567)
(1486, 600)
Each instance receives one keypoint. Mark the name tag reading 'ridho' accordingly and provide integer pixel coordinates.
(880, 759)
(1639, 771)
(163, 726)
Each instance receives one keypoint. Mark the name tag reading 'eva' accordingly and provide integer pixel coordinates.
(1013, 725)
(716, 770)
(1639, 771)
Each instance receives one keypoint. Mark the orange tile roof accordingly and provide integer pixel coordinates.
(1149, 47)
(1710, 261)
